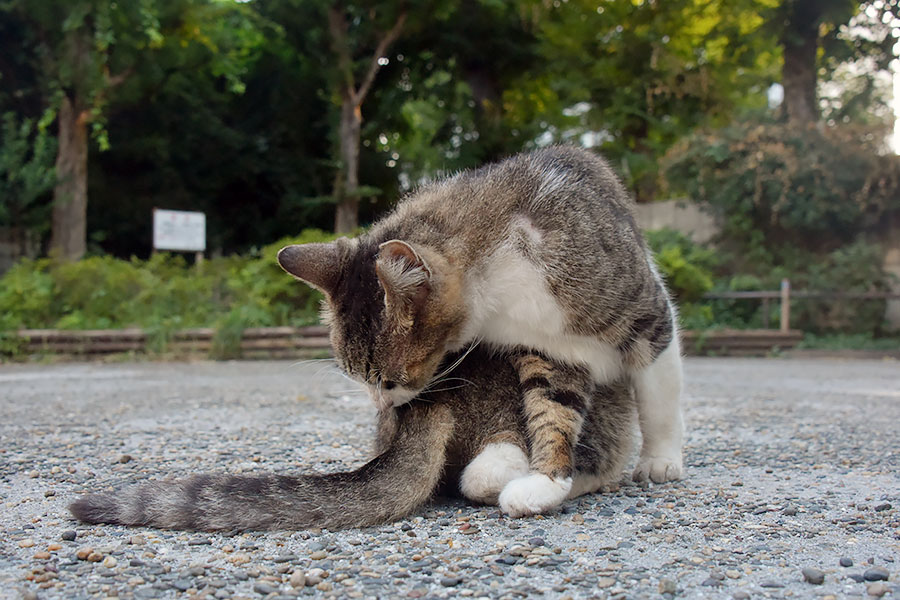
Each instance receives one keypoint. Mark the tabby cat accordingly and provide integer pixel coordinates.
(539, 251)
(450, 440)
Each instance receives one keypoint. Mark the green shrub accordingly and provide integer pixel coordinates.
(856, 267)
(687, 266)
(688, 270)
(778, 188)
(161, 295)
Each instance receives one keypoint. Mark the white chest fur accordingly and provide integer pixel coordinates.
(512, 306)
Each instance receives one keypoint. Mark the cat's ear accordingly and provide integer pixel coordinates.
(404, 275)
(316, 264)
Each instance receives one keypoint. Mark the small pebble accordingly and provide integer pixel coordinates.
(876, 574)
(605, 582)
(199, 542)
(263, 588)
(846, 562)
(741, 595)
(285, 558)
(318, 555)
(26, 543)
(109, 562)
(667, 586)
(298, 579)
(125, 458)
(68, 536)
(813, 575)
(877, 589)
(450, 581)
(881, 507)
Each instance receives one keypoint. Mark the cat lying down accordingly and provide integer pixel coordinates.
(463, 439)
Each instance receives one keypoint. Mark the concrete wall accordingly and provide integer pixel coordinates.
(680, 215)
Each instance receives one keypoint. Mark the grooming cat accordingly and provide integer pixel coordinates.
(449, 439)
(539, 251)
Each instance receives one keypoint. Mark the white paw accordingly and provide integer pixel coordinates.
(658, 469)
(533, 494)
(496, 465)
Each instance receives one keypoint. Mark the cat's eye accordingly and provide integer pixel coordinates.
(389, 385)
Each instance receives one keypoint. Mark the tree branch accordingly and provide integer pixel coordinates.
(337, 27)
(389, 38)
(114, 81)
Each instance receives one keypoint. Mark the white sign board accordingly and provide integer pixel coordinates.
(179, 230)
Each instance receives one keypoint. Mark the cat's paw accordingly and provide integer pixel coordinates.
(658, 469)
(533, 494)
(495, 466)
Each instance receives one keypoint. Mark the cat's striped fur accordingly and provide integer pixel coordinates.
(422, 446)
(539, 251)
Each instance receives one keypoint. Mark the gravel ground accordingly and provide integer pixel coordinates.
(793, 490)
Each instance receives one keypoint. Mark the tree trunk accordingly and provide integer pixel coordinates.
(346, 217)
(68, 237)
(799, 42)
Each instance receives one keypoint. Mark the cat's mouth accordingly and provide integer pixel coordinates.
(387, 399)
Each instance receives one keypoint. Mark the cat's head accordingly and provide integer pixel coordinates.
(394, 310)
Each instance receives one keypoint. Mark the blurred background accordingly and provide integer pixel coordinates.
(756, 135)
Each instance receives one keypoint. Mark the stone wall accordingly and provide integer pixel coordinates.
(680, 215)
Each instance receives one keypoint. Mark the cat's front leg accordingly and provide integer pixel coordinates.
(658, 391)
(555, 399)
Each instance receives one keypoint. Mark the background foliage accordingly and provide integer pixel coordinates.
(234, 109)
(161, 294)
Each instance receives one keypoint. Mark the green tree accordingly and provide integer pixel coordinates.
(84, 51)
(374, 29)
(636, 76)
(799, 24)
(441, 105)
(26, 175)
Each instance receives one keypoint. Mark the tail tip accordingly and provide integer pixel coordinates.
(94, 508)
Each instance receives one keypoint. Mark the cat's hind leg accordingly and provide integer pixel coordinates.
(555, 399)
(658, 391)
(498, 463)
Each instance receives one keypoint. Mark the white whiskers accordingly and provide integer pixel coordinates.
(455, 364)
